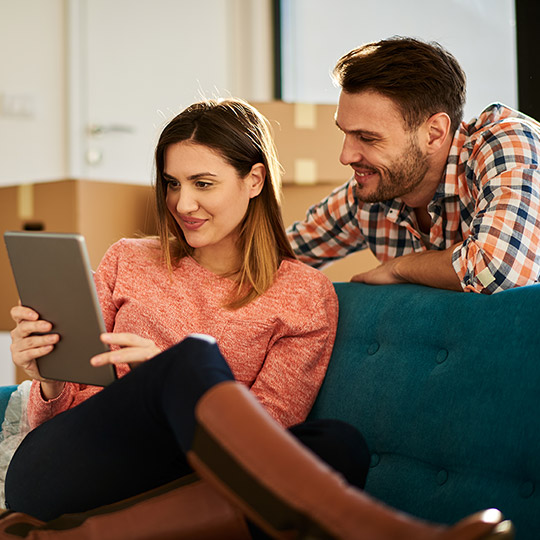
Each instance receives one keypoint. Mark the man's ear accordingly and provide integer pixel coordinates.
(436, 129)
(256, 179)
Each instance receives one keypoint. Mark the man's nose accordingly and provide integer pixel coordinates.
(350, 151)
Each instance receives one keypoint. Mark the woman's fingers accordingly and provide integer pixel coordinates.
(29, 340)
(125, 339)
(129, 348)
(21, 313)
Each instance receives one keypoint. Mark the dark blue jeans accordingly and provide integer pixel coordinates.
(132, 436)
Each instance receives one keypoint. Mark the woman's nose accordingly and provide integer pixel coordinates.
(187, 202)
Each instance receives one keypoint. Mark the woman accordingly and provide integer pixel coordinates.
(222, 267)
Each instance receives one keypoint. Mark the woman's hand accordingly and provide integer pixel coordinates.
(133, 349)
(27, 345)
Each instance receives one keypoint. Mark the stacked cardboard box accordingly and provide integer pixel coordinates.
(308, 141)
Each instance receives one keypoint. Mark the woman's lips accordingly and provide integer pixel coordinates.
(192, 223)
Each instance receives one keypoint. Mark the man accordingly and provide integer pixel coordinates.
(439, 202)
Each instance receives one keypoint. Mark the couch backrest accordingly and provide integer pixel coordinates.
(445, 387)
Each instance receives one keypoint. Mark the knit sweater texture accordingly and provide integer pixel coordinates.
(278, 345)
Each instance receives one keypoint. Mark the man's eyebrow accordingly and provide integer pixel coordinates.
(363, 132)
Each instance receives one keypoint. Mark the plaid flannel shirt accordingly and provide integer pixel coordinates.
(487, 204)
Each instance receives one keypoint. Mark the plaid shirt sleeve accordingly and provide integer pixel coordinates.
(503, 248)
(330, 230)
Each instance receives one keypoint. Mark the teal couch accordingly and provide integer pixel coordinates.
(445, 387)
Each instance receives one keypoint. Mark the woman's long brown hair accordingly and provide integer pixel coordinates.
(241, 135)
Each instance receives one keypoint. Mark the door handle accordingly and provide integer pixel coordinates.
(96, 130)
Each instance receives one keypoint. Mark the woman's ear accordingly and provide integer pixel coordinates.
(256, 179)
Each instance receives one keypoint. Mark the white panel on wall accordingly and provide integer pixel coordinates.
(32, 91)
(140, 62)
(479, 33)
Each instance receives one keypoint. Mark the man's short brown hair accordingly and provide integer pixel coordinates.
(421, 78)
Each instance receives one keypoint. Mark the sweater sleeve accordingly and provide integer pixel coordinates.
(40, 410)
(298, 356)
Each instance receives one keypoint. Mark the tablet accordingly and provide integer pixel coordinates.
(53, 277)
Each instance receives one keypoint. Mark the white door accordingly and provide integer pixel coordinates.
(134, 64)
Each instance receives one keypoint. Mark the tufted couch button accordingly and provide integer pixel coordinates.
(442, 477)
(373, 348)
(375, 459)
(526, 489)
(442, 355)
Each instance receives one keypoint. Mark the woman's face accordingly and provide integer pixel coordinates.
(208, 200)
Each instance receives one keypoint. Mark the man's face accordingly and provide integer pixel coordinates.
(384, 154)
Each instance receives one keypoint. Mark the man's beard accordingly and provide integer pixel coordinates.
(401, 177)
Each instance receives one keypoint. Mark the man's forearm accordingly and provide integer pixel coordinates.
(431, 268)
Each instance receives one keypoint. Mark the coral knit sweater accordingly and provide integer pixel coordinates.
(278, 345)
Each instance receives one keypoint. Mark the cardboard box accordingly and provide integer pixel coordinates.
(102, 212)
(307, 140)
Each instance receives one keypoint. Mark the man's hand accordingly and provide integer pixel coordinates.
(431, 268)
(384, 274)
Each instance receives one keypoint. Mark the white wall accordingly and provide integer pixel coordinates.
(479, 33)
(7, 369)
(32, 91)
(44, 61)
(36, 65)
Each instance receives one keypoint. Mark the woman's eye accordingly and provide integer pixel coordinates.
(202, 185)
(173, 184)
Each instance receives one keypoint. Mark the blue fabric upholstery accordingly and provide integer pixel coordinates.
(5, 393)
(445, 386)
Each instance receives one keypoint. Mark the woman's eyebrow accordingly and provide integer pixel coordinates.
(200, 175)
(195, 176)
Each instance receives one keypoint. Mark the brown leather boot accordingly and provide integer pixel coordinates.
(186, 509)
(289, 492)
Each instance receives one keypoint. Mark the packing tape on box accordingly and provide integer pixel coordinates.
(305, 171)
(305, 116)
(25, 201)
